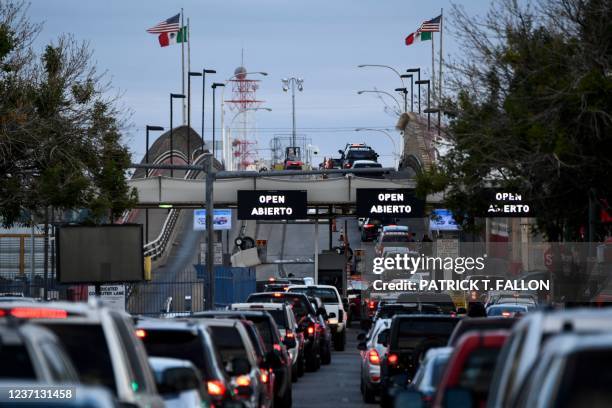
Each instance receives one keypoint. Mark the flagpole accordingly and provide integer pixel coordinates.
(183, 64)
(441, 56)
(433, 72)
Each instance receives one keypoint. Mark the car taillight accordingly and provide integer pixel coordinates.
(243, 381)
(368, 226)
(372, 305)
(38, 313)
(2, 313)
(392, 359)
(215, 388)
(347, 165)
(286, 288)
(140, 333)
(289, 335)
(474, 295)
(276, 294)
(277, 347)
(264, 376)
(373, 357)
(506, 314)
(311, 330)
(318, 328)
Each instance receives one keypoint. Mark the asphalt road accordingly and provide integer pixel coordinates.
(335, 385)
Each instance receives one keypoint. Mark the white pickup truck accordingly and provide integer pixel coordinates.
(336, 315)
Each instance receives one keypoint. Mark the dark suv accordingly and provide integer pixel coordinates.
(357, 151)
(306, 317)
(410, 336)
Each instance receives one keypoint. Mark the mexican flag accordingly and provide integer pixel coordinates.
(173, 37)
(418, 36)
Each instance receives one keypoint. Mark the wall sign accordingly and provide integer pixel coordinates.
(502, 203)
(271, 204)
(222, 219)
(381, 203)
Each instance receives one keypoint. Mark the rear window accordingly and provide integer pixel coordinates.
(500, 310)
(361, 154)
(298, 304)
(280, 318)
(327, 295)
(264, 328)
(593, 389)
(228, 342)
(86, 346)
(478, 370)
(16, 363)
(181, 344)
(412, 332)
(396, 237)
(387, 312)
(439, 365)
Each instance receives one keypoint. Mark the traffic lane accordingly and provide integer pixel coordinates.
(335, 385)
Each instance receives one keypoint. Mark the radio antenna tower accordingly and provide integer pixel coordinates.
(245, 103)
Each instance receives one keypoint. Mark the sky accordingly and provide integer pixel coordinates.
(321, 41)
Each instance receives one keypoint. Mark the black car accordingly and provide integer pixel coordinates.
(370, 228)
(188, 341)
(325, 332)
(357, 151)
(410, 336)
(306, 317)
(276, 353)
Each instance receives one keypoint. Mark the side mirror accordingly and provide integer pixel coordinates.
(240, 366)
(177, 379)
(289, 342)
(362, 346)
(409, 398)
(361, 336)
(461, 310)
(458, 397)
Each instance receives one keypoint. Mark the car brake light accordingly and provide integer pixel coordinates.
(392, 359)
(243, 381)
(311, 330)
(373, 357)
(372, 305)
(215, 388)
(271, 280)
(286, 288)
(277, 347)
(2, 313)
(506, 314)
(289, 335)
(265, 377)
(368, 226)
(38, 313)
(140, 333)
(276, 294)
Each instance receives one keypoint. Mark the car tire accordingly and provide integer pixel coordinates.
(301, 363)
(294, 371)
(287, 400)
(326, 356)
(369, 397)
(340, 341)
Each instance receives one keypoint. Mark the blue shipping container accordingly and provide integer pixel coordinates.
(232, 284)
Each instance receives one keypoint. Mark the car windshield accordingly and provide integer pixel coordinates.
(327, 295)
(87, 340)
(16, 363)
(265, 330)
(229, 343)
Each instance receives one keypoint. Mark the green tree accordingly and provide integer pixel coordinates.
(531, 111)
(60, 135)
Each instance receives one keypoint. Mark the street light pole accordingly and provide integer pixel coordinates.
(210, 236)
(418, 71)
(189, 75)
(148, 128)
(411, 90)
(204, 72)
(405, 92)
(214, 87)
(172, 96)
(300, 84)
(423, 82)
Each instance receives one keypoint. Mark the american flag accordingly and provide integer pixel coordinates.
(431, 26)
(166, 26)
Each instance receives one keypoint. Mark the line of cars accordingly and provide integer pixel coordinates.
(418, 354)
(247, 355)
